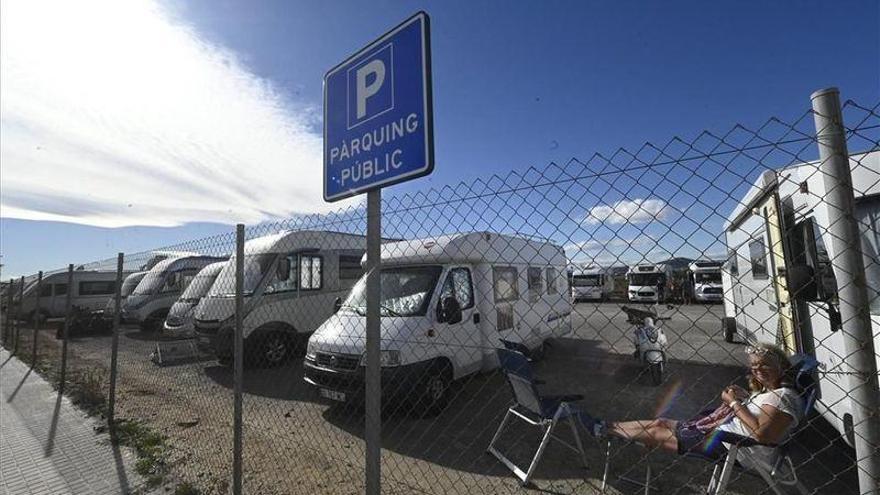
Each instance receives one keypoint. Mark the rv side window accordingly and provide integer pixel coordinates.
(458, 284)
(733, 264)
(276, 285)
(505, 283)
(551, 281)
(46, 290)
(310, 272)
(759, 258)
(350, 267)
(60, 289)
(100, 288)
(536, 284)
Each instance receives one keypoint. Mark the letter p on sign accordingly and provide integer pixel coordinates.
(371, 87)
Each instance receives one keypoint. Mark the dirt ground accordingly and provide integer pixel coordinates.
(295, 442)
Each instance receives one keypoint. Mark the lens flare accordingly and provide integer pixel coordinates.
(670, 395)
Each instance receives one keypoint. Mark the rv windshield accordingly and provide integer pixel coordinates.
(707, 278)
(585, 281)
(645, 279)
(255, 268)
(868, 216)
(130, 283)
(405, 291)
(150, 283)
(199, 287)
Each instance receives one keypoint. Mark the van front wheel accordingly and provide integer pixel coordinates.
(274, 349)
(436, 387)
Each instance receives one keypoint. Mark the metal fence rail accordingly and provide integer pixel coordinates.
(760, 234)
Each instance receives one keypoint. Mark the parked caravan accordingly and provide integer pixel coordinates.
(180, 319)
(291, 280)
(162, 255)
(705, 281)
(778, 233)
(447, 303)
(128, 286)
(91, 289)
(648, 282)
(590, 283)
(154, 295)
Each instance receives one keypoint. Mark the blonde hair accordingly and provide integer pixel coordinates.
(777, 356)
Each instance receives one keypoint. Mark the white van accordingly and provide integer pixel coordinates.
(780, 228)
(590, 283)
(648, 282)
(291, 280)
(447, 304)
(705, 279)
(154, 295)
(128, 286)
(179, 322)
(90, 292)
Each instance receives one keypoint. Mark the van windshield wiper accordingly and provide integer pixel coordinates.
(389, 310)
(357, 309)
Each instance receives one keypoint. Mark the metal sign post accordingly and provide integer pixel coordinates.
(378, 131)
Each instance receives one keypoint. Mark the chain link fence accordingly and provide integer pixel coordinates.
(726, 241)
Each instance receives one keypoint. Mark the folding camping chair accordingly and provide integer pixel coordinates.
(783, 472)
(529, 405)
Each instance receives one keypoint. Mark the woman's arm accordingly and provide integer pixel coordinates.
(769, 425)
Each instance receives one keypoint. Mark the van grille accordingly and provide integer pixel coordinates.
(341, 362)
(712, 290)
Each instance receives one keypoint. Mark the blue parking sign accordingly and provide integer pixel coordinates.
(378, 123)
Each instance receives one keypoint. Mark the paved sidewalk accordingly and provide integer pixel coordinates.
(48, 446)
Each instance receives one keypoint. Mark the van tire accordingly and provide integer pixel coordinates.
(729, 326)
(273, 348)
(436, 389)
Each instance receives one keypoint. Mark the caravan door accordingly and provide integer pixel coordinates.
(785, 327)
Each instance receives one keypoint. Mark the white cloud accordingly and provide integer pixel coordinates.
(114, 114)
(626, 211)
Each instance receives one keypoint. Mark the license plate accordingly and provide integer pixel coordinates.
(331, 394)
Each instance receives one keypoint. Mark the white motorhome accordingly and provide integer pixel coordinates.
(705, 281)
(291, 281)
(90, 291)
(162, 255)
(180, 319)
(128, 286)
(648, 282)
(446, 303)
(590, 283)
(154, 295)
(780, 229)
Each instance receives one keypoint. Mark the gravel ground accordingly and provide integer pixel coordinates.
(298, 443)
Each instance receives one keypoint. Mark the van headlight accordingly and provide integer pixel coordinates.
(311, 351)
(387, 359)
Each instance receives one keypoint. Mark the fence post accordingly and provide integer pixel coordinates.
(18, 315)
(36, 319)
(849, 269)
(66, 331)
(373, 384)
(238, 362)
(114, 349)
(7, 329)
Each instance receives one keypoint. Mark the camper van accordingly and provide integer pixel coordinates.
(781, 229)
(154, 295)
(179, 322)
(705, 281)
(128, 286)
(446, 303)
(291, 280)
(590, 283)
(90, 292)
(648, 282)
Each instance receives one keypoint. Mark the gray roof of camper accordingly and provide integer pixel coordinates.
(184, 261)
(295, 240)
(474, 247)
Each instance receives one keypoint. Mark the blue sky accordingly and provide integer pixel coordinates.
(515, 85)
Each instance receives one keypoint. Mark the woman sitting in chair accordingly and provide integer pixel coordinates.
(767, 415)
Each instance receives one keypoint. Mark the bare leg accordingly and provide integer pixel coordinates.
(658, 432)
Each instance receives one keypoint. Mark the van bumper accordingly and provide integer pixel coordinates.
(219, 343)
(399, 382)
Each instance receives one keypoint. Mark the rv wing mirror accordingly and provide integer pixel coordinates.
(337, 304)
(802, 279)
(450, 310)
(283, 270)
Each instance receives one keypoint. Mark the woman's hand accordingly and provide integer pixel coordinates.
(732, 393)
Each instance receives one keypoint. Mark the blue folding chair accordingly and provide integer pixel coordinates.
(783, 472)
(542, 411)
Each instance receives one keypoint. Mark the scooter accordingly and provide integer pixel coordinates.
(649, 341)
